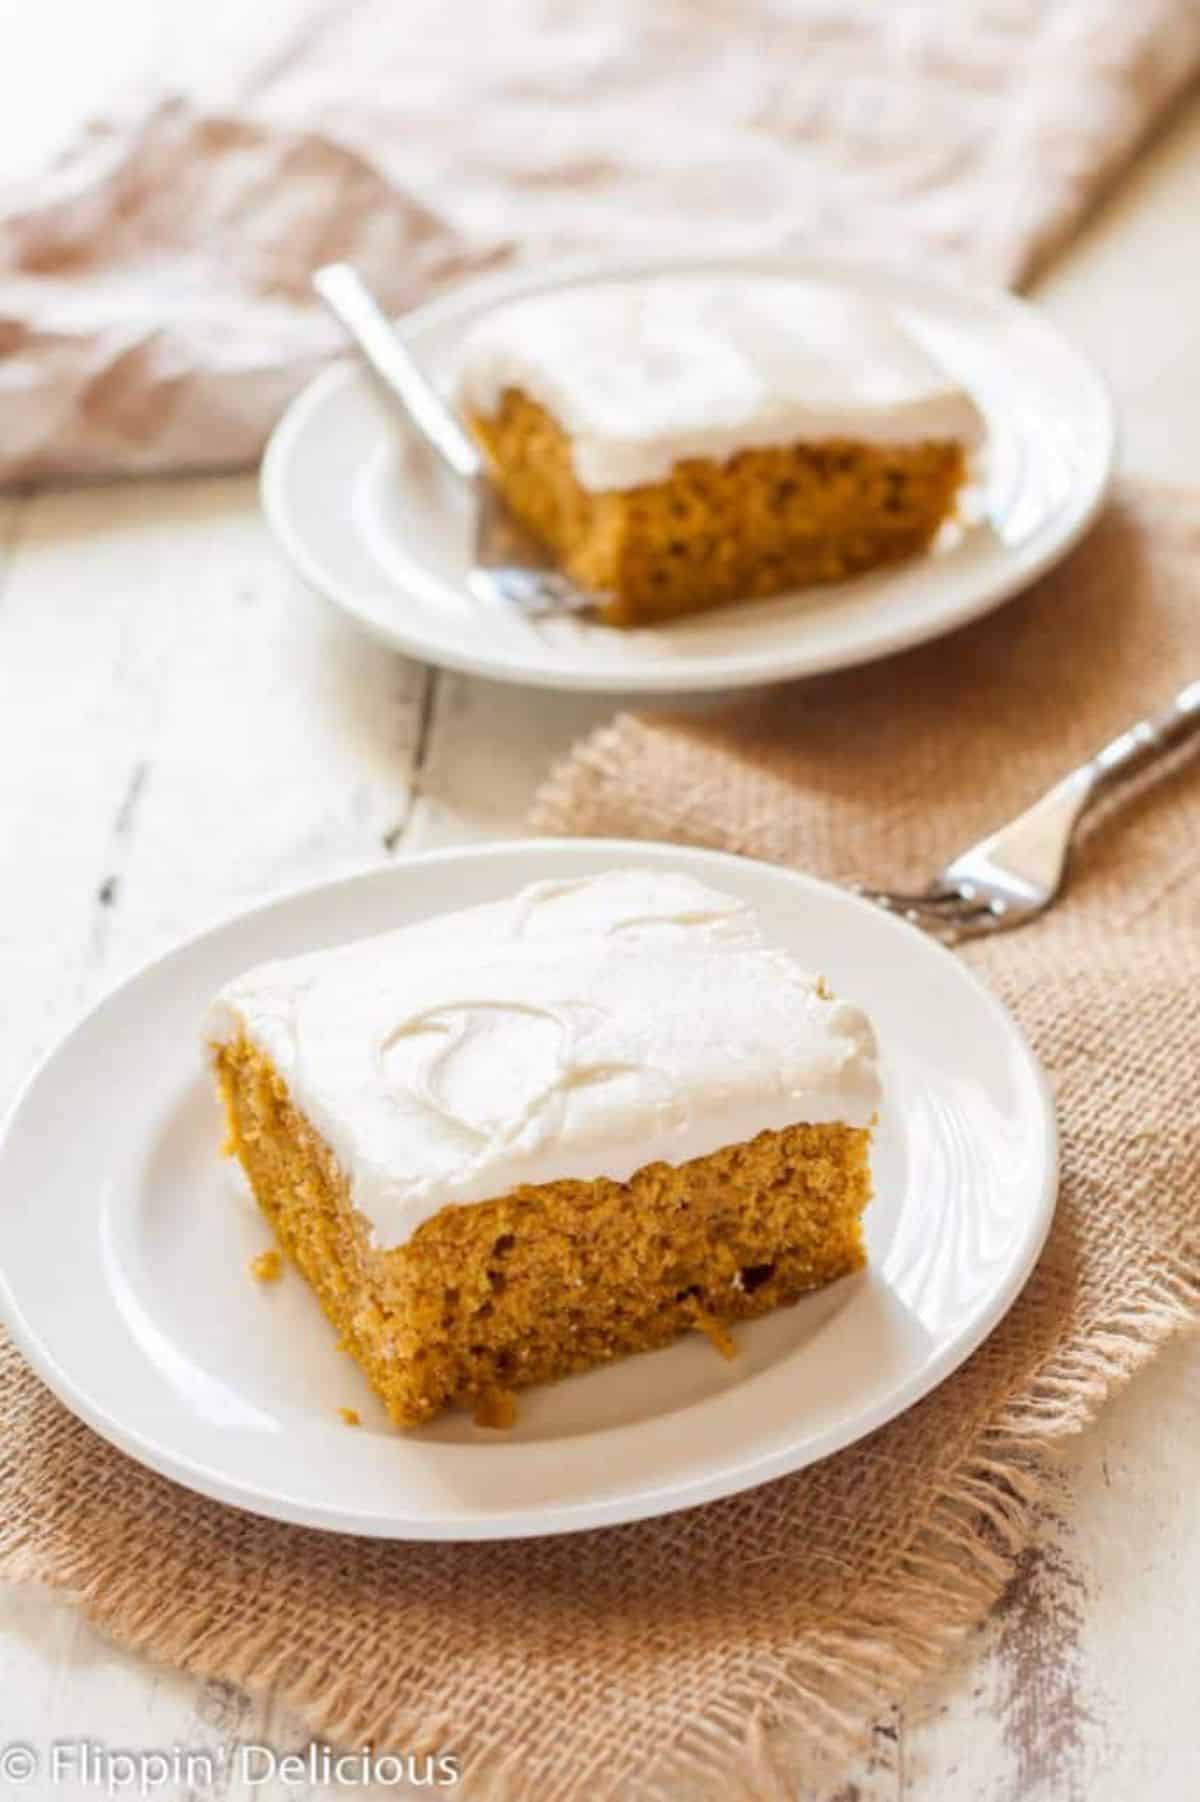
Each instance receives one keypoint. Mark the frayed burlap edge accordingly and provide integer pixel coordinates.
(805, 1702)
(817, 1707)
(987, 1515)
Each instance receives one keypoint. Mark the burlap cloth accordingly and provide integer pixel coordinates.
(718, 1648)
(154, 303)
(154, 314)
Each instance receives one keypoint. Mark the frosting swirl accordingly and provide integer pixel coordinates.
(642, 375)
(582, 1028)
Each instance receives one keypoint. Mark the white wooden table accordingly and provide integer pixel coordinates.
(182, 728)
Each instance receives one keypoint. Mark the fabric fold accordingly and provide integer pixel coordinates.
(154, 312)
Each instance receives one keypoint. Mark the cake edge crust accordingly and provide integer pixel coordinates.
(496, 1295)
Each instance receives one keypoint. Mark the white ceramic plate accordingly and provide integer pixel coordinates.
(124, 1243)
(369, 520)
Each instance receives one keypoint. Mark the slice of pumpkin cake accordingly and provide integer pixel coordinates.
(688, 441)
(519, 1140)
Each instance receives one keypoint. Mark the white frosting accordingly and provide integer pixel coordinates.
(643, 374)
(580, 1029)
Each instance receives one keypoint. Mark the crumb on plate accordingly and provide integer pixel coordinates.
(717, 1333)
(495, 1408)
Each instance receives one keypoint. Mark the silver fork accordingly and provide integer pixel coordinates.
(509, 565)
(1015, 874)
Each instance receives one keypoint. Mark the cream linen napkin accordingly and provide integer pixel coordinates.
(154, 311)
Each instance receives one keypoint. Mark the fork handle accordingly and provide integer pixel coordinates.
(394, 367)
(1140, 745)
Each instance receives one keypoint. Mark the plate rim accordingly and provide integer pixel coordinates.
(731, 1478)
(746, 669)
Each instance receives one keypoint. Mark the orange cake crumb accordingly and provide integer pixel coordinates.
(717, 1334)
(496, 1408)
(556, 1277)
(765, 520)
(267, 1267)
